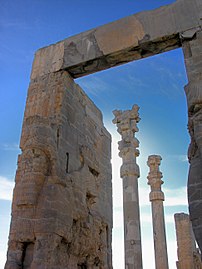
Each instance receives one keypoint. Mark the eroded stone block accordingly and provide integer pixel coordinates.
(62, 205)
(131, 38)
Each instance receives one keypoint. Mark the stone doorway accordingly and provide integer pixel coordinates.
(138, 89)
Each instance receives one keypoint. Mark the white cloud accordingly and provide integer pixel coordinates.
(147, 253)
(94, 86)
(118, 252)
(147, 218)
(12, 146)
(176, 197)
(6, 187)
(183, 158)
(118, 218)
(177, 157)
(173, 197)
(2, 259)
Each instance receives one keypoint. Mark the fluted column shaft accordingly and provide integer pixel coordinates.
(127, 125)
(157, 197)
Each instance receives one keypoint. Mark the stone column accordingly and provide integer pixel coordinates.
(126, 122)
(157, 197)
(192, 48)
(186, 246)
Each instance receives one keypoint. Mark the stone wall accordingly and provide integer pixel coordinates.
(189, 256)
(62, 205)
(185, 241)
(193, 61)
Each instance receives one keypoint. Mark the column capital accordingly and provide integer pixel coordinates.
(126, 122)
(155, 175)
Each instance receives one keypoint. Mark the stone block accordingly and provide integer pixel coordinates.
(131, 38)
(59, 180)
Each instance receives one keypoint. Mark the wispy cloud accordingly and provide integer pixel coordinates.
(176, 197)
(22, 25)
(14, 24)
(94, 86)
(147, 218)
(6, 188)
(177, 157)
(173, 197)
(12, 146)
(147, 252)
(183, 158)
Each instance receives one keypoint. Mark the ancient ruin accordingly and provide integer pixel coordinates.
(188, 255)
(126, 122)
(156, 197)
(62, 197)
(63, 182)
(193, 55)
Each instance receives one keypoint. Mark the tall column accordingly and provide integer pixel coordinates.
(186, 247)
(157, 197)
(192, 48)
(126, 122)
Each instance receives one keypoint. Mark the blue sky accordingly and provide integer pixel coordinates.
(155, 84)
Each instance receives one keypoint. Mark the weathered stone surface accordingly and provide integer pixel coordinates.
(188, 255)
(157, 197)
(62, 205)
(131, 38)
(126, 122)
(193, 61)
(63, 181)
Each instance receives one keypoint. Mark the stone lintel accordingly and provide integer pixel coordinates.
(131, 38)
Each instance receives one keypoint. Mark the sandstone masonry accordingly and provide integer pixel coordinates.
(62, 204)
(188, 255)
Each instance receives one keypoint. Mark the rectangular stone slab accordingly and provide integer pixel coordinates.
(131, 38)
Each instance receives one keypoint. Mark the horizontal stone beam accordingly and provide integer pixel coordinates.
(131, 38)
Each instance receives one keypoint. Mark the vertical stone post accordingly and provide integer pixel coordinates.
(157, 197)
(186, 246)
(192, 48)
(126, 122)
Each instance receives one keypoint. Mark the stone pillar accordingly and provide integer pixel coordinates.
(186, 246)
(126, 122)
(192, 48)
(157, 197)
